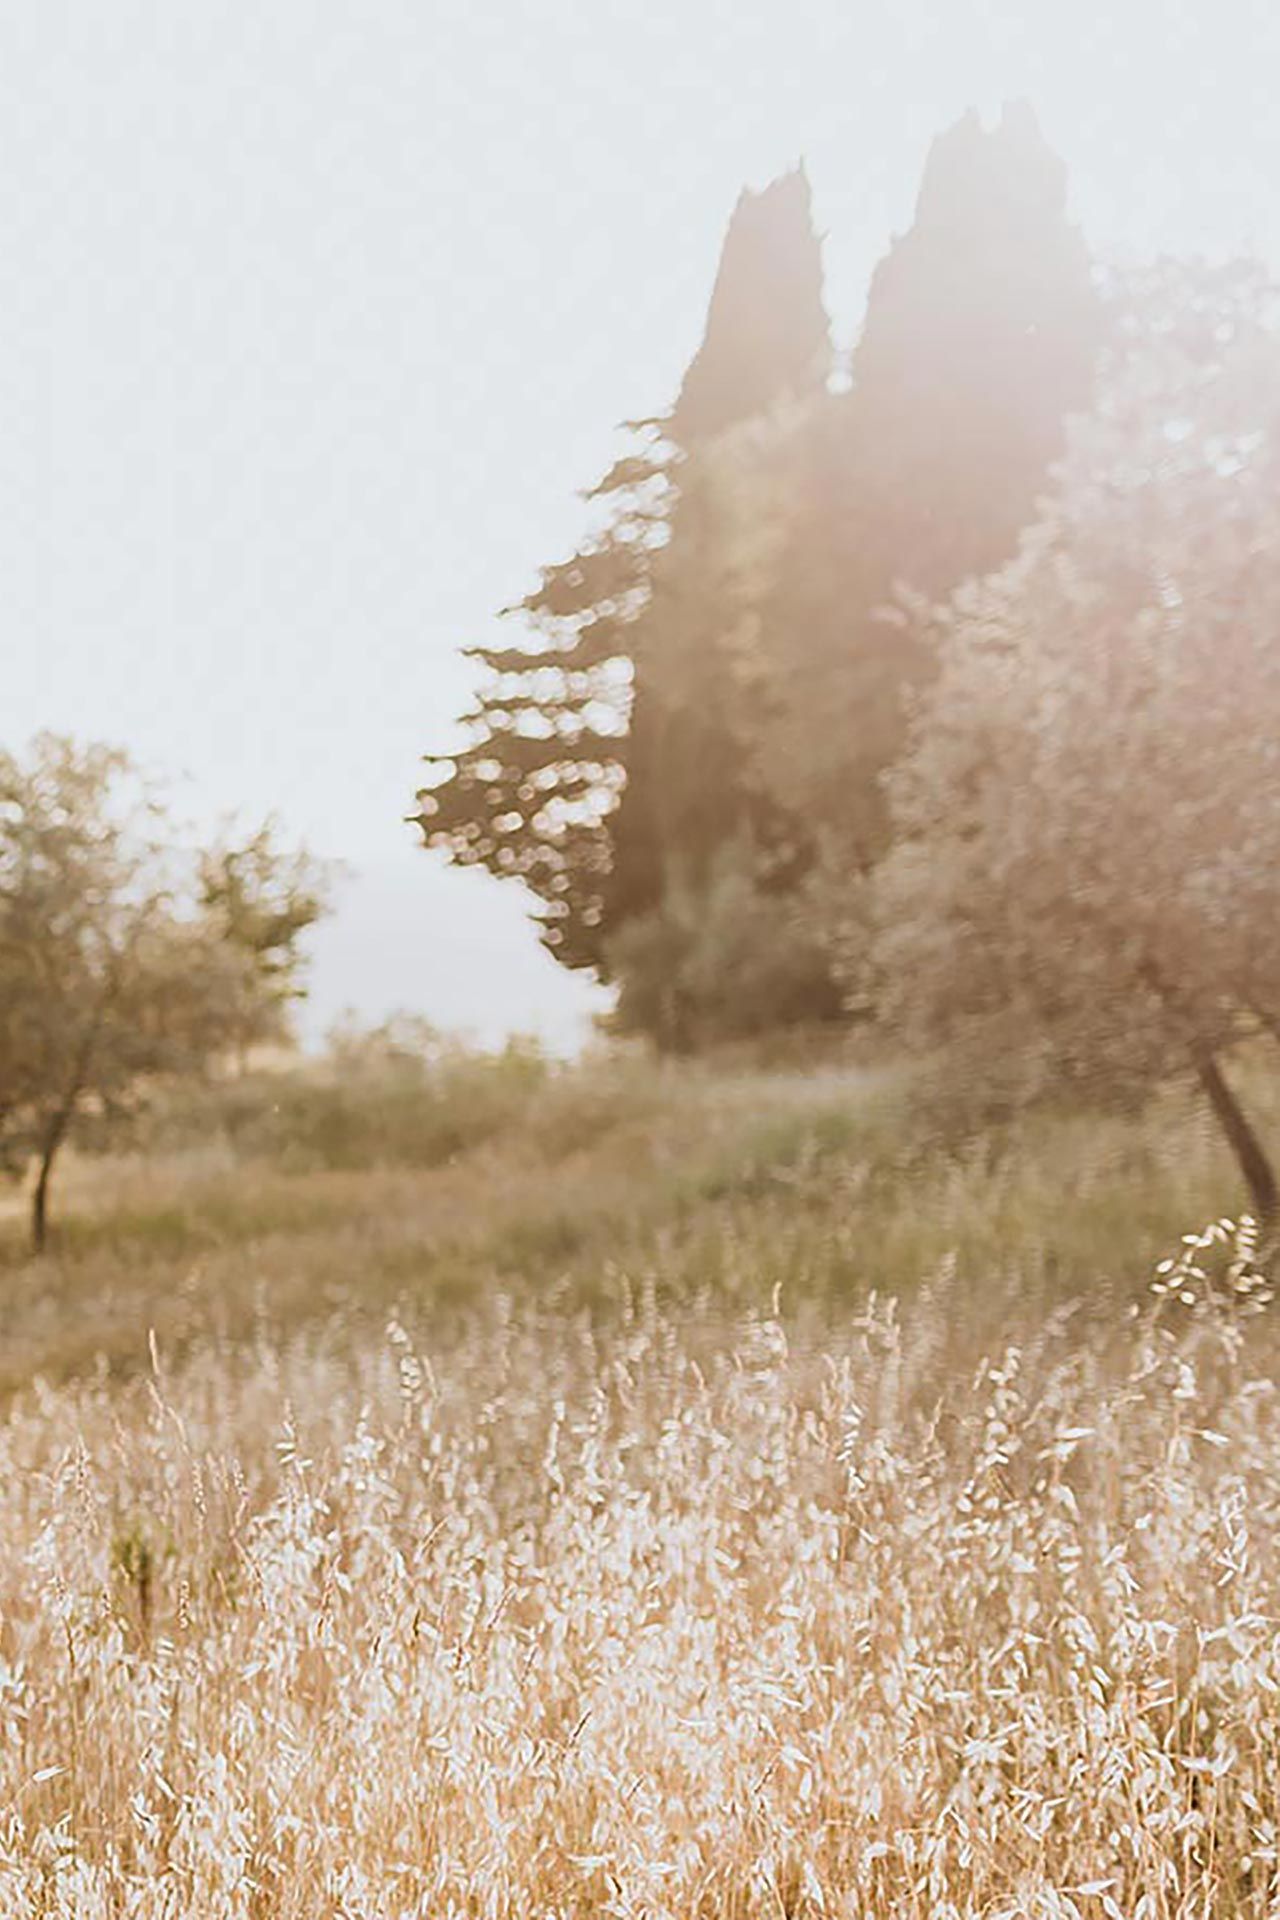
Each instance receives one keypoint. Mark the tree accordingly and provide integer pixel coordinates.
(530, 792)
(122, 959)
(718, 942)
(712, 675)
(258, 901)
(768, 338)
(1086, 876)
(598, 756)
(725, 958)
(980, 339)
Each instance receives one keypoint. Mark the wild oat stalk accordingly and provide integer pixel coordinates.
(704, 1623)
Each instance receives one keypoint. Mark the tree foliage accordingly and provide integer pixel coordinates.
(258, 900)
(724, 958)
(123, 959)
(599, 750)
(1084, 878)
(710, 677)
(528, 794)
(980, 339)
(768, 338)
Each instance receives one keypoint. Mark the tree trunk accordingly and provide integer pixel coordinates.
(1248, 1149)
(40, 1202)
(60, 1121)
(53, 1139)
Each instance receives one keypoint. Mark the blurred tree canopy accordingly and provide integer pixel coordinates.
(124, 957)
(1084, 886)
(598, 751)
(710, 687)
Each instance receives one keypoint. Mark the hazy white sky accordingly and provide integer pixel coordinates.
(317, 313)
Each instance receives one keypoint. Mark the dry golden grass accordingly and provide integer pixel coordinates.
(717, 1183)
(713, 1618)
(485, 1538)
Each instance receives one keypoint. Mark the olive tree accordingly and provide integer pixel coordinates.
(1086, 871)
(126, 957)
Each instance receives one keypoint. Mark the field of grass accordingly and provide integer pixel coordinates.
(701, 1493)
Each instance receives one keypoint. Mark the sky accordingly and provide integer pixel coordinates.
(318, 316)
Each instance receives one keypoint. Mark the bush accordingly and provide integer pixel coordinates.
(403, 1095)
(398, 1095)
(727, 961)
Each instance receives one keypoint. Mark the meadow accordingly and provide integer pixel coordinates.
(666, 1491)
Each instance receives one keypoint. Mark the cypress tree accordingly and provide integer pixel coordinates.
(613, 756)
(766, 347)
(597, 750)
(980, 338)
(767, 338)
(529, 794)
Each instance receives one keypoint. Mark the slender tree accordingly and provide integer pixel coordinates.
(768, 336)
(598, 758)
(120, 963)
(980, 340)
(529, 793)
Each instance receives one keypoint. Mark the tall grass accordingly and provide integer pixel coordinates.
(712, 1183)
(712, 1493)
(713, 1619)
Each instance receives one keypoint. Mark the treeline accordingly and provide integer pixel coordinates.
(939, 685)
(682, 753)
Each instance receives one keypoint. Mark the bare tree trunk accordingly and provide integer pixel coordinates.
(59, 1123)
(1250, 1154)
(40, 1202)
(53, 1139)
